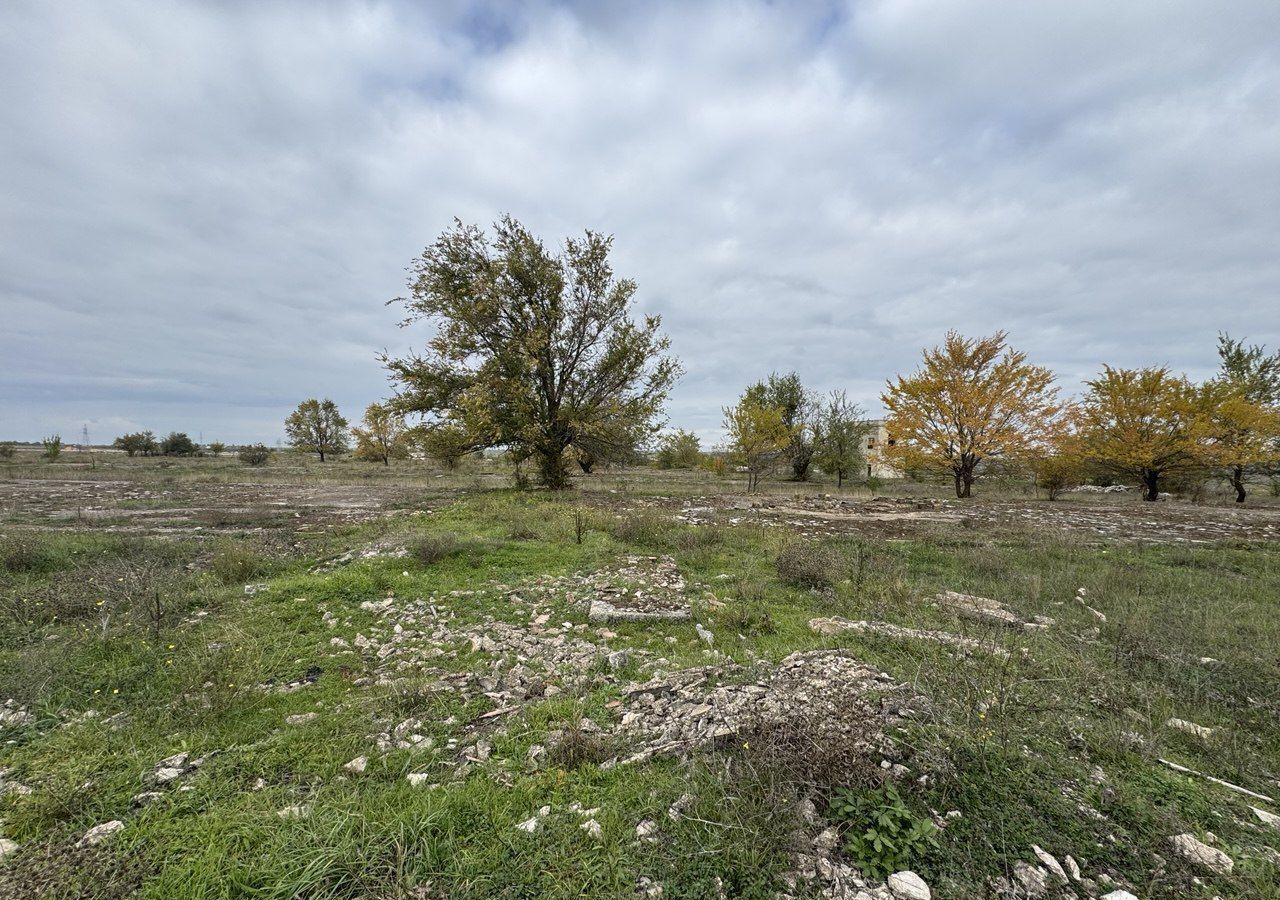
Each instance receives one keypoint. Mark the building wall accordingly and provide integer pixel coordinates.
(877, 439)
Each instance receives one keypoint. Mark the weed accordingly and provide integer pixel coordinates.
(881, 833)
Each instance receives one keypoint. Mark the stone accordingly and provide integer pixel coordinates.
(300, 718)
(1050, 862)
(1119, 895)
(418, 779)
(647, 830)
(530, 824)
(1195, 851)
(907, 885)
(1073, 867)
(297, 811)
(592, 827)
(1265, 817)
(99, 834)
(1201, 731)
(1031, 880)
(7, 849)
(357, 765)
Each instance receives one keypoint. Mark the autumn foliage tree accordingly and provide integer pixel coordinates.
(1238, 430)
(973, 402)
(758, 436)
(1140, 424)
(534, 350)
(382, 437)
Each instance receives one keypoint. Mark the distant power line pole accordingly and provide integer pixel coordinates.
(84, 437)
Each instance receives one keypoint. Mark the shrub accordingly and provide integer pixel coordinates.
(882, 834)
(255, 454)
(235, 563)
(810, 564)
(217, 448)
(434, 548)
(643, 529)
(25, 553)
(7, 449)
(52, 446)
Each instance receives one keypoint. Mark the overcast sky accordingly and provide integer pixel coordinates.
(205, 206)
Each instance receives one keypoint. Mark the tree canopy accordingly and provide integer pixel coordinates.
(972, 402)
(534, 350)
(317, 426)
(1137, 423)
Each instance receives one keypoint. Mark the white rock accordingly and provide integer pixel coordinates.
(357, 765)
(1073, 867)
(1050, 862)
(908, 885)
(300, 718)
(1265, 817)
(7, 849)
(297, 811)
(646, 829)
(100, 833)
(166, 774)
(417, 778)
(1119, 895)
(592, 827)
(530, 824)
(1201, 731)
(1196, 851)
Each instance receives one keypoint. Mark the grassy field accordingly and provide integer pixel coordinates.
(275, 639)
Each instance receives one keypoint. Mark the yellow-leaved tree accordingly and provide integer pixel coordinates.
(972, 403)
(1238, 431)
(1140, 424)
(383, 437)
(758, 435)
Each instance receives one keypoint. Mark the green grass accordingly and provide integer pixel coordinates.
(1056, 745)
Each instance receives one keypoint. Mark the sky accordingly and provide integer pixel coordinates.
(205, 206)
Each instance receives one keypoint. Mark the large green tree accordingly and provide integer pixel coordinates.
(317, 426)
(534, 349)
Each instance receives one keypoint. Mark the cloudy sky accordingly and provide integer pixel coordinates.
(205, 205)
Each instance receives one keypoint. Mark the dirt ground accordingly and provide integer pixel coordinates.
(183, 506)
(1123, 518)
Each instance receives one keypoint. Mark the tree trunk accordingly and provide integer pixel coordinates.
(1237, 482)
(964, 482)
(321, 454)
(551, 470)
(1152, 482)
(839, 479)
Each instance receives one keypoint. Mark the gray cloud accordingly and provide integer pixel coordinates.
(207, 205)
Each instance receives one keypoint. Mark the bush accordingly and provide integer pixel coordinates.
(217, 448)
(25, 553)
(52, 446)
(255, 454)
(235, 563)
(434, 548)
(7, 449)
(810, 564)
